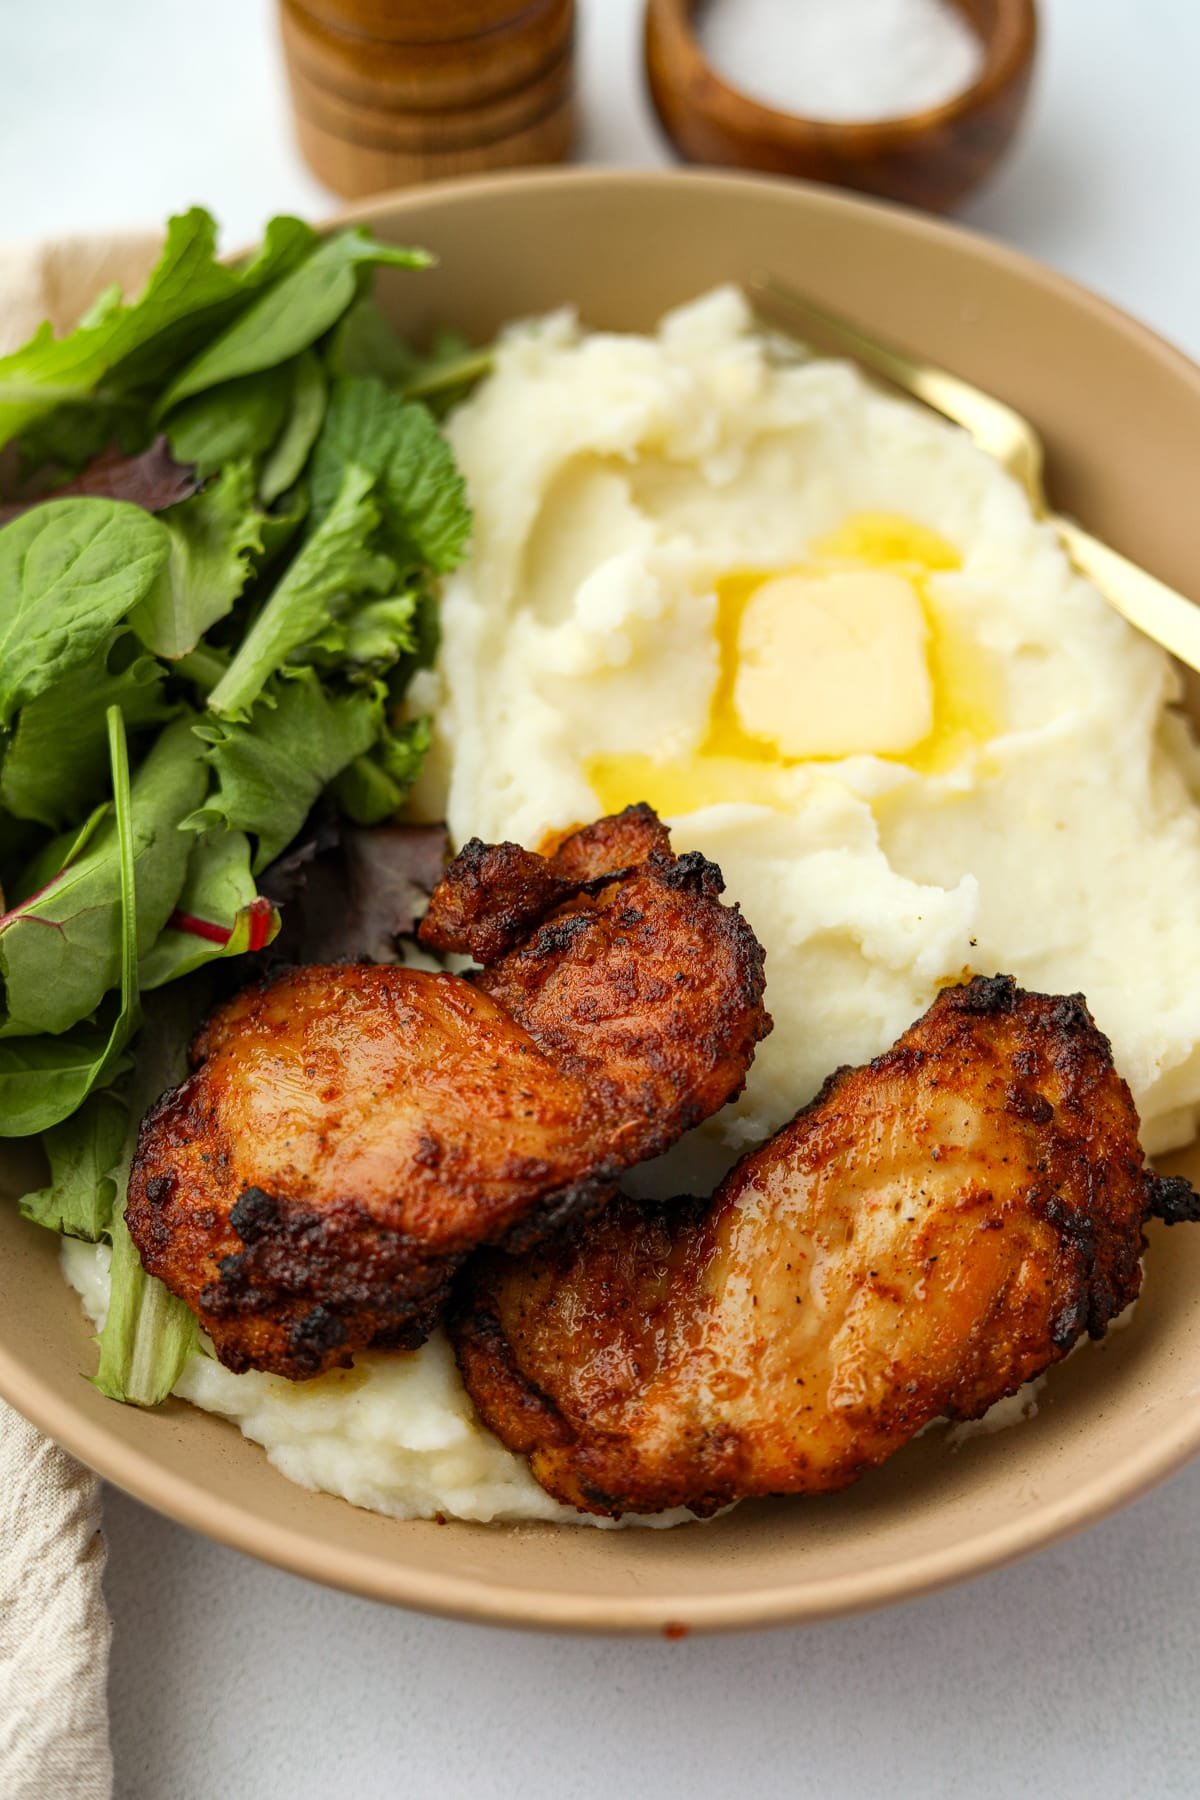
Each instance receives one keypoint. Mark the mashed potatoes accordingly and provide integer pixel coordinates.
(633, 497)
(826, 638)
(395, 1434)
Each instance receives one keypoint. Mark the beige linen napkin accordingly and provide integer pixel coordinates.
(54, 1625)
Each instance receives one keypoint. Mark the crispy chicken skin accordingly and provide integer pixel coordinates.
(935, 1229)
(618, 959)
(350, 1133)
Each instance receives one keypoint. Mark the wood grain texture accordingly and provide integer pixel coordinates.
(431, 75)
(477, 87)
(418, 21)
(356, 167)
(931, 159)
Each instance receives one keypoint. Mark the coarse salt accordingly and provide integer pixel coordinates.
(842, 60)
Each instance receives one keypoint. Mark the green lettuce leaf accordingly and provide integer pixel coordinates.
(219, 913)
(54, 766)
(148, 1334)
(423, 497)
(291, 314)
(57, 855)
(213, 539)
(270, 770)
(189, 296)
(43, 1080)
(286, 462)
(365, 343)
(332, 567)
(238, 421)
(61, 948)
(377, 634)
(374, 787)
(69, 573)
(444, 377)
(285, 244)
(84, 1154)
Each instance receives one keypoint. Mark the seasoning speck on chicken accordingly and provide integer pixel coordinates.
(934, 1230)
(350, 1133)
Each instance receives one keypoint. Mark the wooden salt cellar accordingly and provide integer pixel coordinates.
(932, 158)
(391, 92)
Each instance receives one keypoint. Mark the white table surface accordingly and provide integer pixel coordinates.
(1075, 1674)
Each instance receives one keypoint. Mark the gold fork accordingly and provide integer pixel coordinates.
(1149, 604)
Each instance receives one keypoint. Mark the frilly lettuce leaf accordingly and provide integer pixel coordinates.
(332, 567)
(422, 496)
(84, 1154)
(270, 769)
(213, 540)
(375, 785)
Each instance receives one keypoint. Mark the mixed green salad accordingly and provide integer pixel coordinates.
(224, 510)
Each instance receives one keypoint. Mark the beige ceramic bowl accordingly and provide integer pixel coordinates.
(1121, 414)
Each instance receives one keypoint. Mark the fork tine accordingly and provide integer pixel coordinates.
(1000, 431)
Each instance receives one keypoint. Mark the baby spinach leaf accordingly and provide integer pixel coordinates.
(365, 343)
(61, 948)
(291, 314)
(43, 1080)
(286, 242)
(189, 297)
(206, 298)
(186, 280)
(219, 913)
(57, 855)
(423, 497)
(333, 566)
(69, 572)
(270, 770)
(239, 419)
(213, 538)
(286, 462)
(84, 1153)
(54, 765)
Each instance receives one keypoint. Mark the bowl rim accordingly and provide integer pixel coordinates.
(138, 1472)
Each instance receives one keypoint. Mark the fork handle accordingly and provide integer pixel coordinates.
(1149, 604)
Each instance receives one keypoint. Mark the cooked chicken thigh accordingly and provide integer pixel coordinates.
(934, 1230)
(350, 1133)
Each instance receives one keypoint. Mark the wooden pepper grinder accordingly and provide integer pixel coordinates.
(390, 92)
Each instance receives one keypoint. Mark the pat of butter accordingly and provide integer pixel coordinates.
(834, 664)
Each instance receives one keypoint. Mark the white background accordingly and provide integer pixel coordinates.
(1077, 1674)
